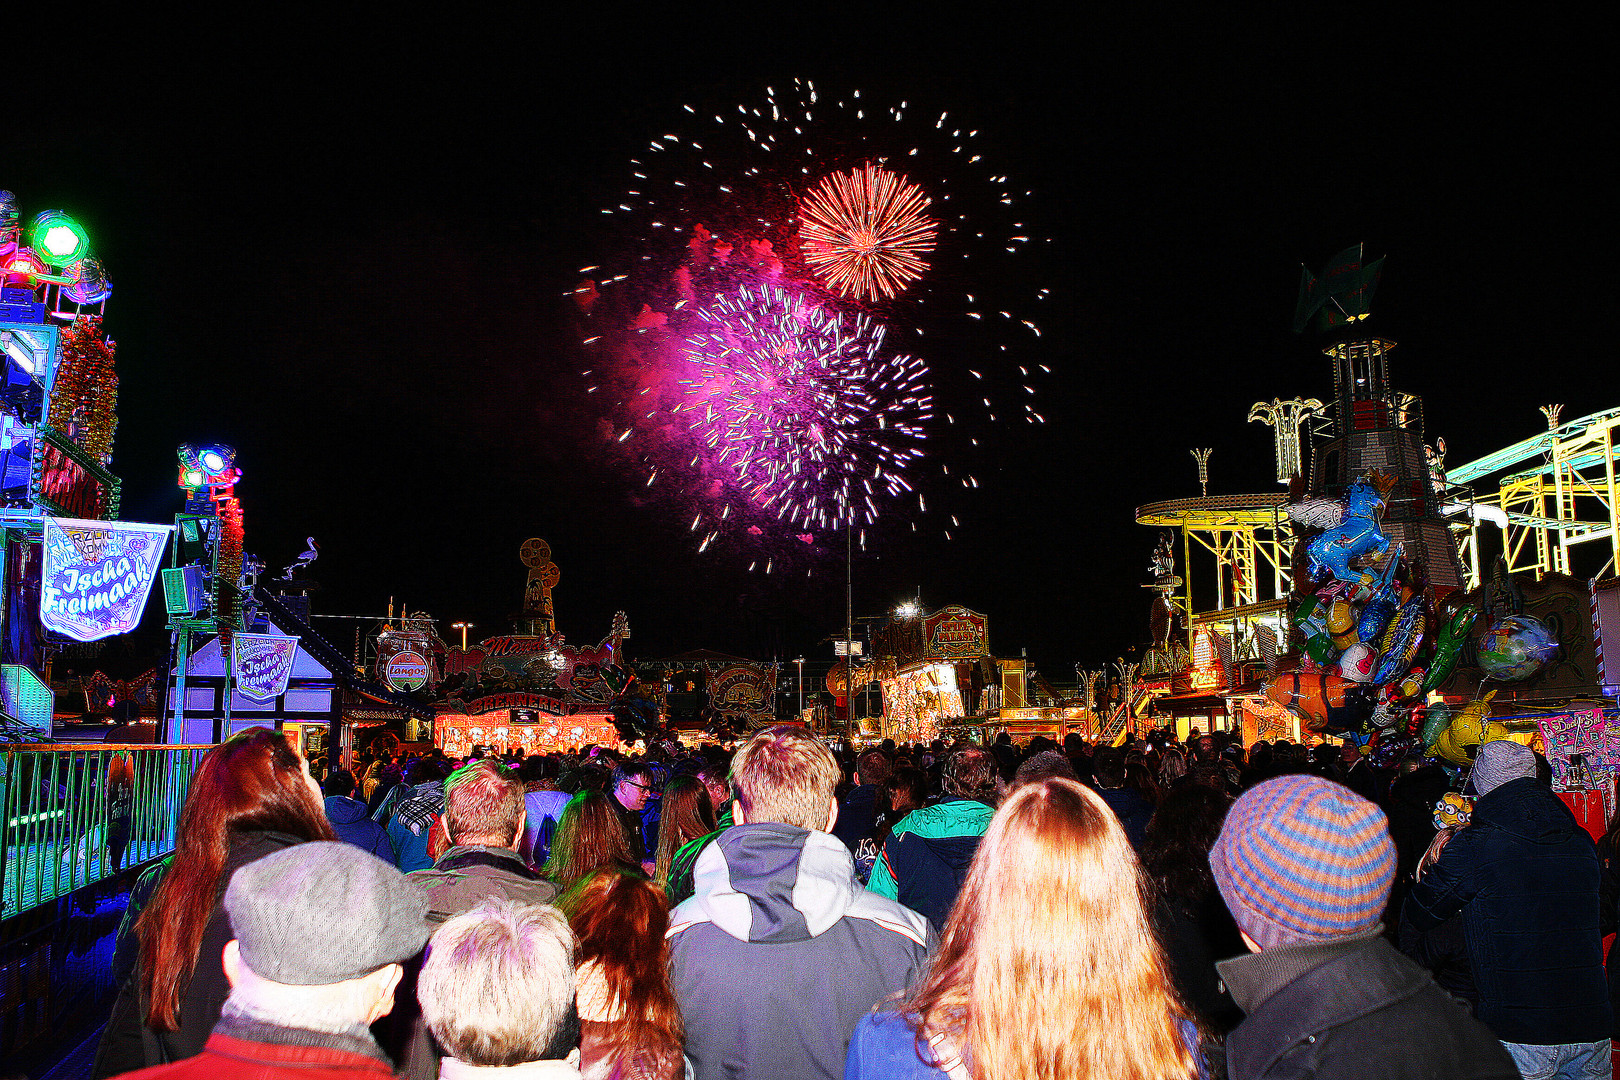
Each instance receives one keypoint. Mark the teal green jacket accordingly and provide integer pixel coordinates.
(925, 859)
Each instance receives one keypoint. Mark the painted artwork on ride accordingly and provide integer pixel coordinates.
(97, 575)
(745, 692)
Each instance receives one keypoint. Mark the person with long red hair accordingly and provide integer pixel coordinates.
(630, 1024)
(1048, 968)
(589, 836)
(252, 795)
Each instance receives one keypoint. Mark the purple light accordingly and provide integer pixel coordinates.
(800, 409)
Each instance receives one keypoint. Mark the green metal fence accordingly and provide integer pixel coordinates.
(73, 815)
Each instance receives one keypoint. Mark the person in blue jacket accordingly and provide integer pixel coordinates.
(925, 859)
(349, 818)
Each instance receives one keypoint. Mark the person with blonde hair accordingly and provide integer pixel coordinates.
(497, 991)
(1047, 967)
(483, 821)
(780, 951)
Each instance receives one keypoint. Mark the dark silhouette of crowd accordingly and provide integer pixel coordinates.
(795, 907)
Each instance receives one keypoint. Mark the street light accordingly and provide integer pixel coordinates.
(463, 627)
(800, 662)
(908, 610)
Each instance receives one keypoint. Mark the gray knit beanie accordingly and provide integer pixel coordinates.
(1499, 761)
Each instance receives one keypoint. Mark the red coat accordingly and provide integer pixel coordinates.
(226, 1057)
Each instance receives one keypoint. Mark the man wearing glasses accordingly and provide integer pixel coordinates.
(632, 784)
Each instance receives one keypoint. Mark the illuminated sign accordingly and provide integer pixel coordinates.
(262, 663)
(954, 632)
(97, 575)
(407, 671)
(1208, 670)
(743, 690)
(67, 482)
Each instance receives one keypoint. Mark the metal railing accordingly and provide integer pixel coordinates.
(73, 815)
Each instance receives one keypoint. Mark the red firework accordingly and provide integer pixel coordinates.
(865, 232)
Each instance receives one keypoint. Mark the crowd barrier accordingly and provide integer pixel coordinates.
(73, 815)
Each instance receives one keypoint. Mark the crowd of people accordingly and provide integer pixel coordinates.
(1157, 910)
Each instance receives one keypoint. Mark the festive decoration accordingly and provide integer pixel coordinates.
(1454, 810)
(97, 574)
(1515, 648)
(1350, 527)
(84, 397)
(865, 232)
(744, 693)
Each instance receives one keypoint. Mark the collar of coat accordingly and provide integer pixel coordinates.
(463, 856)
(1254, 977)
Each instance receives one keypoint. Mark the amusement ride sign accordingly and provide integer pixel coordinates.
(955, 633)
(407, 671)
(742, 690)
(97, 575)
(262, 663)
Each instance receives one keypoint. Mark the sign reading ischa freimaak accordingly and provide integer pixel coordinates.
(97, 575)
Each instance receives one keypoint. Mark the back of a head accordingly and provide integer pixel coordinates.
(1046, 765)
(426, 771)
(873, 767)
(971, 774)
(1054, 900)
(1301, 860)
(1499, 761)
(339, 785)
(1108, 765)
(588, 836)
(907, 786)
(1179, 836)
(784, 774)
(619, 920)
(497, 987)
(537, 767)
(483, 805)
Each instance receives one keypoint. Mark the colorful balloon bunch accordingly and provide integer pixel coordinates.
(1371, 644)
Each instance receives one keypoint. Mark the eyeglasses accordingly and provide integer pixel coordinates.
(643, 787)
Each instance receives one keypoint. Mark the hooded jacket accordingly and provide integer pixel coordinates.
(925, 859)
(353, 825)
(780, 951)
(1524, 875)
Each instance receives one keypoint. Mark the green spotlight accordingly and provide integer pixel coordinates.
(58, 238)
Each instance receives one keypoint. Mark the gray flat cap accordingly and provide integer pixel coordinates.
(323, 913)
(1501, 760)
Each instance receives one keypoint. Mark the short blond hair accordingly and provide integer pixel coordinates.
(785, 774)
(484, 801)
(497, 987)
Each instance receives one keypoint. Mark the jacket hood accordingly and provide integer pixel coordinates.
(950, 830)
(1525, 809)
(345, 811)
(772, 883)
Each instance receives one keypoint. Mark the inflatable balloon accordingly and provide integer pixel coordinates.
(1355, 536)
(1436, 718)
(1341, 623)
(1388, 749)
(1401, 640)
(1468, 729)
(1323, 701)
(1452, 810)
(1515, 648)
(1357, 663)
(1448, 643)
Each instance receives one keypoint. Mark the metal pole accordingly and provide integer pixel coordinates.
(849, 621)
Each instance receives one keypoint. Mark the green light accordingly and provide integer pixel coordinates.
(58, 238)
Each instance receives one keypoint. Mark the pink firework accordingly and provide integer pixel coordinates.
(865, 232)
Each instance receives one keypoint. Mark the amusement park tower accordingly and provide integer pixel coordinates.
(1373, 427)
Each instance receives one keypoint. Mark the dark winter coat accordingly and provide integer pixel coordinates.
(1134, 812)
(1524, 876)
(1352, 1009)
(1443, 951)
(857, 814)
(925, 858)
(354, 826)
(1195, 934)
(127, 1043)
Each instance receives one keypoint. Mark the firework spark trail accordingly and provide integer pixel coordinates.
(865, 232)
(802, 409)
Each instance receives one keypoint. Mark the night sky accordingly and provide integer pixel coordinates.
(343, 247)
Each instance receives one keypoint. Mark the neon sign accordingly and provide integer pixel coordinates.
(97, 575)
(262, 664)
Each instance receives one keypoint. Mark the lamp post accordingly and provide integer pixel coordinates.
(463, 627)
(800, 662)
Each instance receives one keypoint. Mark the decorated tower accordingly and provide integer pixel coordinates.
(1373, 427)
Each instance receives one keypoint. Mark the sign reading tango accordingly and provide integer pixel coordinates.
(262, 663)
(97, 575)
(955, 633)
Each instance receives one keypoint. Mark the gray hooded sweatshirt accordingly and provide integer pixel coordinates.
(780, 951)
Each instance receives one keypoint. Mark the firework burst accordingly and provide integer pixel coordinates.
(803, 410)
(865, 232)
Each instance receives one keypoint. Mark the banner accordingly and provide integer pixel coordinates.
(746, 690)
(262, 663)
(1583, 749)
(97, 575)
(954, 633)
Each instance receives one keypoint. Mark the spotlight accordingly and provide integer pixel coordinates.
(23, 263)
(59, 239)
(208, 463)
(92, 286)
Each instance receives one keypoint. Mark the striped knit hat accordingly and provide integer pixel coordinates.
(1301, 859)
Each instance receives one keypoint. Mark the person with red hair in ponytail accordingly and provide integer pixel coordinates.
(252, 795)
